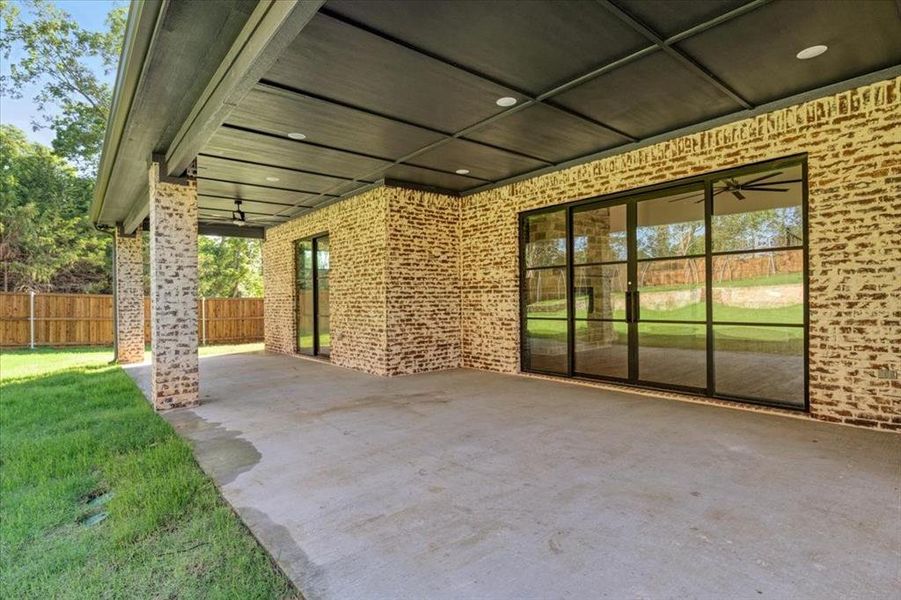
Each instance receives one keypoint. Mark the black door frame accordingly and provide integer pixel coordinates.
(314, 244)
(631, 199)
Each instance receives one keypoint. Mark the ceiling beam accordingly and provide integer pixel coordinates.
(272, 26)
(270, 166)
(230, 230)
(675, 53)
(140, 210)
(255, 185)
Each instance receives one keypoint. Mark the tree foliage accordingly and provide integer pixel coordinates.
(230, 267)
(65, 61)
(46, 240)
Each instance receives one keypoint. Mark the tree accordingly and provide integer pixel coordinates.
(46, 240)
(63, 59)
(230, 267)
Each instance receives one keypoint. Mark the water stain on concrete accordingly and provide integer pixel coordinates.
(287, 553)
(221, 452)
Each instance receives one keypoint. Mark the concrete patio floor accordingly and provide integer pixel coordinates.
(466, 484)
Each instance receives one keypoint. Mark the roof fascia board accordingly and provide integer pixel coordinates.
(143, 23)
(272, 26)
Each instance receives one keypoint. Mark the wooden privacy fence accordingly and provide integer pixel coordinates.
(87, 320)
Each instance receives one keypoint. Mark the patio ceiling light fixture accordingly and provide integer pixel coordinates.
(294, 135)
(238, 216)
(506, 101)
(272, 179)
(462, 171)
(812, 52)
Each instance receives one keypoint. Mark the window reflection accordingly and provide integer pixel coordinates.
(546, 239)
(760, 210)
(672, 225)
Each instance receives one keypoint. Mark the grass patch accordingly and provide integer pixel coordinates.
(78, 440)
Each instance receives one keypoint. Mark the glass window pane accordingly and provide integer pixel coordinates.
(546, 293)
(304, 296)
(763, 287)
(674, 354)
(743, 354)
(325, 338)
(545, 346)
(672, 225)
(545, 236)
(600, 291)
(305, 334)
(672, 290)
(322, 253)
(599, 235)
(602, 349)
(760, 210)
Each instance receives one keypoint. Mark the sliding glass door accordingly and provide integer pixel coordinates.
(698, 287)
(312, 308)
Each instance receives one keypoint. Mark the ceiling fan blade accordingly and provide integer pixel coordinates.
(738, 194)
(765, 189)
(762, 178)
(746, 186)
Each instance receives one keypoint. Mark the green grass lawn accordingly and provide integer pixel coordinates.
(79, 441)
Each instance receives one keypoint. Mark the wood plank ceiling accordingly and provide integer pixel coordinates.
(407, 90)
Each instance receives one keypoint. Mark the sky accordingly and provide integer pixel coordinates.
(90, 14)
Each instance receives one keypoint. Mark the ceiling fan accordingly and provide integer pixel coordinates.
(760, 184)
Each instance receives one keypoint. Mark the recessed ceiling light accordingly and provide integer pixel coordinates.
(462, 171)
(506, 101)
(811, 52)
(270, 178)
(297, 136)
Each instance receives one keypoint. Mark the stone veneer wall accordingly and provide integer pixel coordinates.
(174, 374)
(129, 298)
(423, 291)
(853, 141)
(357, 246)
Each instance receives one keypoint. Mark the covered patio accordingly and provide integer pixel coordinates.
(465, 484)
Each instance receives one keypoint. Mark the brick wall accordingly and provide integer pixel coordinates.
(853, 141)
(357, 245)
(395, 308)
(423, 282)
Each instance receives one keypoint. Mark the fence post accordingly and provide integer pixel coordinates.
(203, 318)
(31, 317)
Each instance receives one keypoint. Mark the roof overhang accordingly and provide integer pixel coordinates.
(404, 92)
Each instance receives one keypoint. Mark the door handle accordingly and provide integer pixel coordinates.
(629, 307)
(636, 310)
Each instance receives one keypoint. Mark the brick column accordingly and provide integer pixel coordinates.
(129, 281)
(173, 290)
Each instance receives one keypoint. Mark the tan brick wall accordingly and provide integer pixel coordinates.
(129, 298)
(357, 243)
(853, 141)
(173, 292)
(423, 281)
(395, 309)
